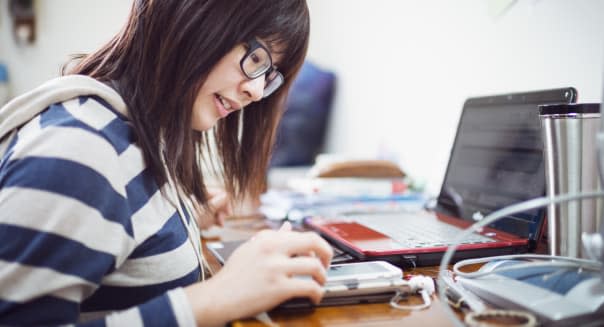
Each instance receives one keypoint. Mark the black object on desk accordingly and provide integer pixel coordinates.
(222, 250)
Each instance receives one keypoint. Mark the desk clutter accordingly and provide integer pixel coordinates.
(522, 290)
(369, 282)
(355, 283)
(549, 290)
(334, 187)
(492, 200)
(557, 290)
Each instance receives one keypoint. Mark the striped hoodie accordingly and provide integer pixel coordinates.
(86, 236)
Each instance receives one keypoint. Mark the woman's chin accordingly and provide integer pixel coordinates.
(204, 125)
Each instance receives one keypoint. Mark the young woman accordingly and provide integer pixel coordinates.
(101, 184)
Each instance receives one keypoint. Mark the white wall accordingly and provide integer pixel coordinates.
(64, 28)
(404, 67)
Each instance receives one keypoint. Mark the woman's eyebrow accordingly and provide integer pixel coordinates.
(267, 45)
(274, 51)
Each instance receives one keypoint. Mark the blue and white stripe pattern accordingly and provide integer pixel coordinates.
(84, 230)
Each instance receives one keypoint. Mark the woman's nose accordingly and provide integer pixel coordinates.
(254, 88)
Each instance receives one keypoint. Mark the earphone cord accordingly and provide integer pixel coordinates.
(193, 233)
(400, 295)
(192, 229)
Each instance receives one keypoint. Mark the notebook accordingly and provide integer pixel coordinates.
(496, 160)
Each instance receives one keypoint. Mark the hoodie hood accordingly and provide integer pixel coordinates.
(25, 107)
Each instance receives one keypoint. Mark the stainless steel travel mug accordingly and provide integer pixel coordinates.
(569, 137)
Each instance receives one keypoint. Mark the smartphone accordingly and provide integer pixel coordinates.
(362, 271)
(354, 283)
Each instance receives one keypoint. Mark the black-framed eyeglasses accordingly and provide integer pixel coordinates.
(257, 62)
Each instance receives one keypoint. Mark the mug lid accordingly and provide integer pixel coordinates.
(569, 108)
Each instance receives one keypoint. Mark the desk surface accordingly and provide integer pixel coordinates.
(349, 315)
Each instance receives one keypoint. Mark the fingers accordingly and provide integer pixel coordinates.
(220, 202)
(276, 260)
(307, 266)
(305, 288)
(285, 227)
(294, 244)
(220, 218)
(305, 243)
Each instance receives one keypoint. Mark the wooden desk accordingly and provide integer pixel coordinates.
(350, 315)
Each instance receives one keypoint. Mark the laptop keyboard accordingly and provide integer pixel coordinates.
(415, 232)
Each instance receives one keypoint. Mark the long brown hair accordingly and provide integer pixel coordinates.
(160, 60)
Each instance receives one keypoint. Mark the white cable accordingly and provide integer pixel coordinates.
(264, 318)
(422, 284)
(399, 296)
(489, 219)
(555, 262)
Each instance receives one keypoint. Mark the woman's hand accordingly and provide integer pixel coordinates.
(261, 274)
(220, 208)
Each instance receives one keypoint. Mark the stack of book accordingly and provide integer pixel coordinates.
(342, 188)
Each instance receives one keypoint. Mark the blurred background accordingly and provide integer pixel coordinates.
(396, 71)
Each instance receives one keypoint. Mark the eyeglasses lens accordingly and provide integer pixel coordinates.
(256, 63)
(259, 62)
(274, 80)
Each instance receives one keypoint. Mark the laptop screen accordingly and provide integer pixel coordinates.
(497, 160)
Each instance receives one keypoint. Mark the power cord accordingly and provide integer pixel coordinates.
(417, 284)
(489, 219)
(549, 262)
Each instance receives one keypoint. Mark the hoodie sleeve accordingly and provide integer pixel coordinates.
(170, 309)
(66, 224)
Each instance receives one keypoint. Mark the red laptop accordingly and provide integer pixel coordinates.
(496, 160)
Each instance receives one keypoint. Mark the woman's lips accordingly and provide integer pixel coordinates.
(222, 111)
